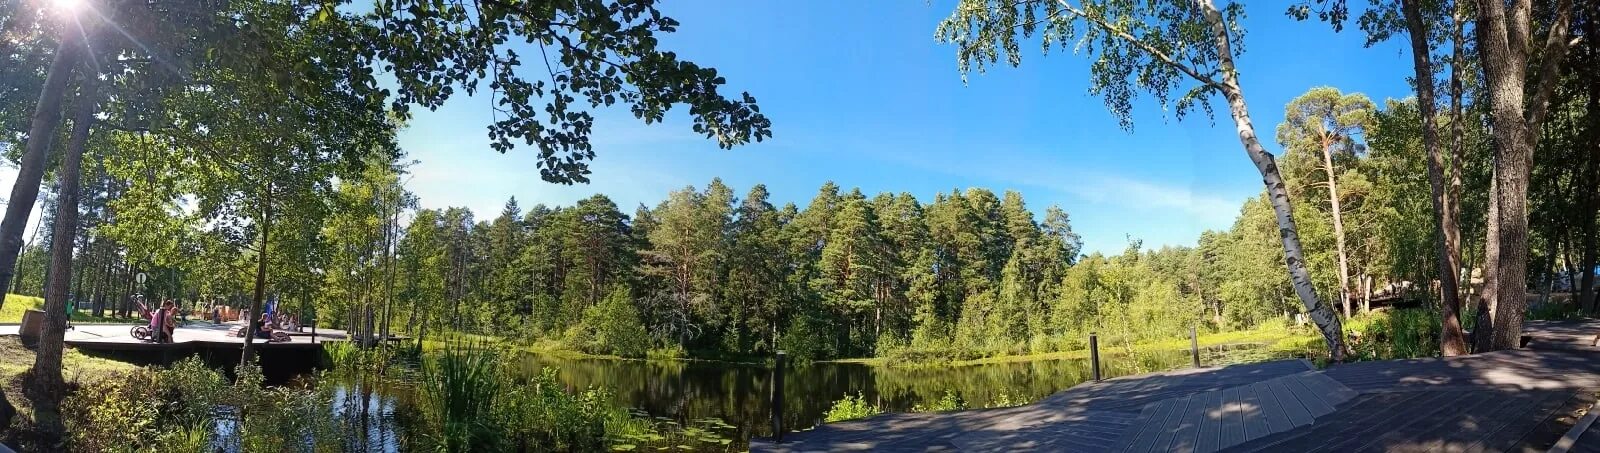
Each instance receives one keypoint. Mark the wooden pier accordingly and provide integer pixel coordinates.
(118, 337)
(1497, 401)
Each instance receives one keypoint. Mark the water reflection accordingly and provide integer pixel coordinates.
(375, 414)
(738, 393)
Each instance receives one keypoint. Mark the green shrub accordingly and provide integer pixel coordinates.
(850, 408)
(612, 327)
(179, 408)
(949, 402)
(112, 414)
(1554, 311)
(1394, 334)
(539, 413)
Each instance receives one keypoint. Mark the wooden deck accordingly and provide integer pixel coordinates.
(1499, 401)
(117, 337)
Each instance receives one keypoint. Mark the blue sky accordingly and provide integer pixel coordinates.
(859, 93)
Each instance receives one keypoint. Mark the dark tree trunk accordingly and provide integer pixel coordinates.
(1451, 339)
(1586, 293)
(1503, 39)
(46, 118)
(46, 388)
(251, 325)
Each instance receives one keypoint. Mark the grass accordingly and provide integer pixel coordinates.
(76, 367)
(17, 304)
(1277, 339)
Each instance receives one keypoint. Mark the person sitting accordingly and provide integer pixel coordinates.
(264, 331)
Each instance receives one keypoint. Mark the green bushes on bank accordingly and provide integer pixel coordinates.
(179, 408)
(612, 327)
(1393, 334)
(474, 401)
(850, 408)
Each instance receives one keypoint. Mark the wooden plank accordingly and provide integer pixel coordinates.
(1430, 423)
(1314, 404)
(1515, 406)
(1294, 411)
(1376, 419)
(1469, 432)
(1232, 419)
(1320, 389)
(1187, 438)
(1211, 424)
(1272, 414)
(1172, 424)
(1518, 427)
(1340, 392)
(1149, 428)
(1255, 413)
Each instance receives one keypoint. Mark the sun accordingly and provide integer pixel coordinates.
(67, 6)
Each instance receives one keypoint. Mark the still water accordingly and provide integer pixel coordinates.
(732, 401)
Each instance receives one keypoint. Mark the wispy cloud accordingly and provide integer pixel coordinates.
(1089, 185)
(1139, 195)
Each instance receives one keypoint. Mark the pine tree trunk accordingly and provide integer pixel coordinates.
(1338, 227)
(1591, 206)
(46, 118)
(1452, 341)
(47, 388)
(1327, 322)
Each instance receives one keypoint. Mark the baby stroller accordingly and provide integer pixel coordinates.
(142, 333)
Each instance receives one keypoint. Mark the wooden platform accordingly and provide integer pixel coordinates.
(1498, 401)
(117, 337)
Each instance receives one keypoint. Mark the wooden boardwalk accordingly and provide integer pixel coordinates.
(117, 337)
(1499, 401)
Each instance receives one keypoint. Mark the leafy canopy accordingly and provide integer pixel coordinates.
(1136, 46)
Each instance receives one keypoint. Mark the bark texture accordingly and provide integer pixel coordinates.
(1277, 194)
(1338, 223)
(247, 357)
(1451, 339)
(46, 387)
(1504, 46)
(41, 134)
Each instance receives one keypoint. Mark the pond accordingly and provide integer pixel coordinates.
(723, 405)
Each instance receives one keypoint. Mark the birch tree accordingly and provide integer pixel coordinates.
(1155, 48)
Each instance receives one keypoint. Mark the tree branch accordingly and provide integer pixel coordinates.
(1555, 51)
(1156, 53)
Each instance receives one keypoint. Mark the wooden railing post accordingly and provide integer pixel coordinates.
(1194, 346)
(777, 396)
(1094, 355)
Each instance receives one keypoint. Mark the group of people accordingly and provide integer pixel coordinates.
(278, 321)
(163, 320)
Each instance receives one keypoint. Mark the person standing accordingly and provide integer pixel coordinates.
(169, 320)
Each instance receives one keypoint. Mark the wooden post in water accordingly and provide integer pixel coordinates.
(1094, 355)
(777, 396)
(1194, 346)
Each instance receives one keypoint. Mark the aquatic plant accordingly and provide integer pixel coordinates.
(459, 386)
(850, 408)
(951, 401)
